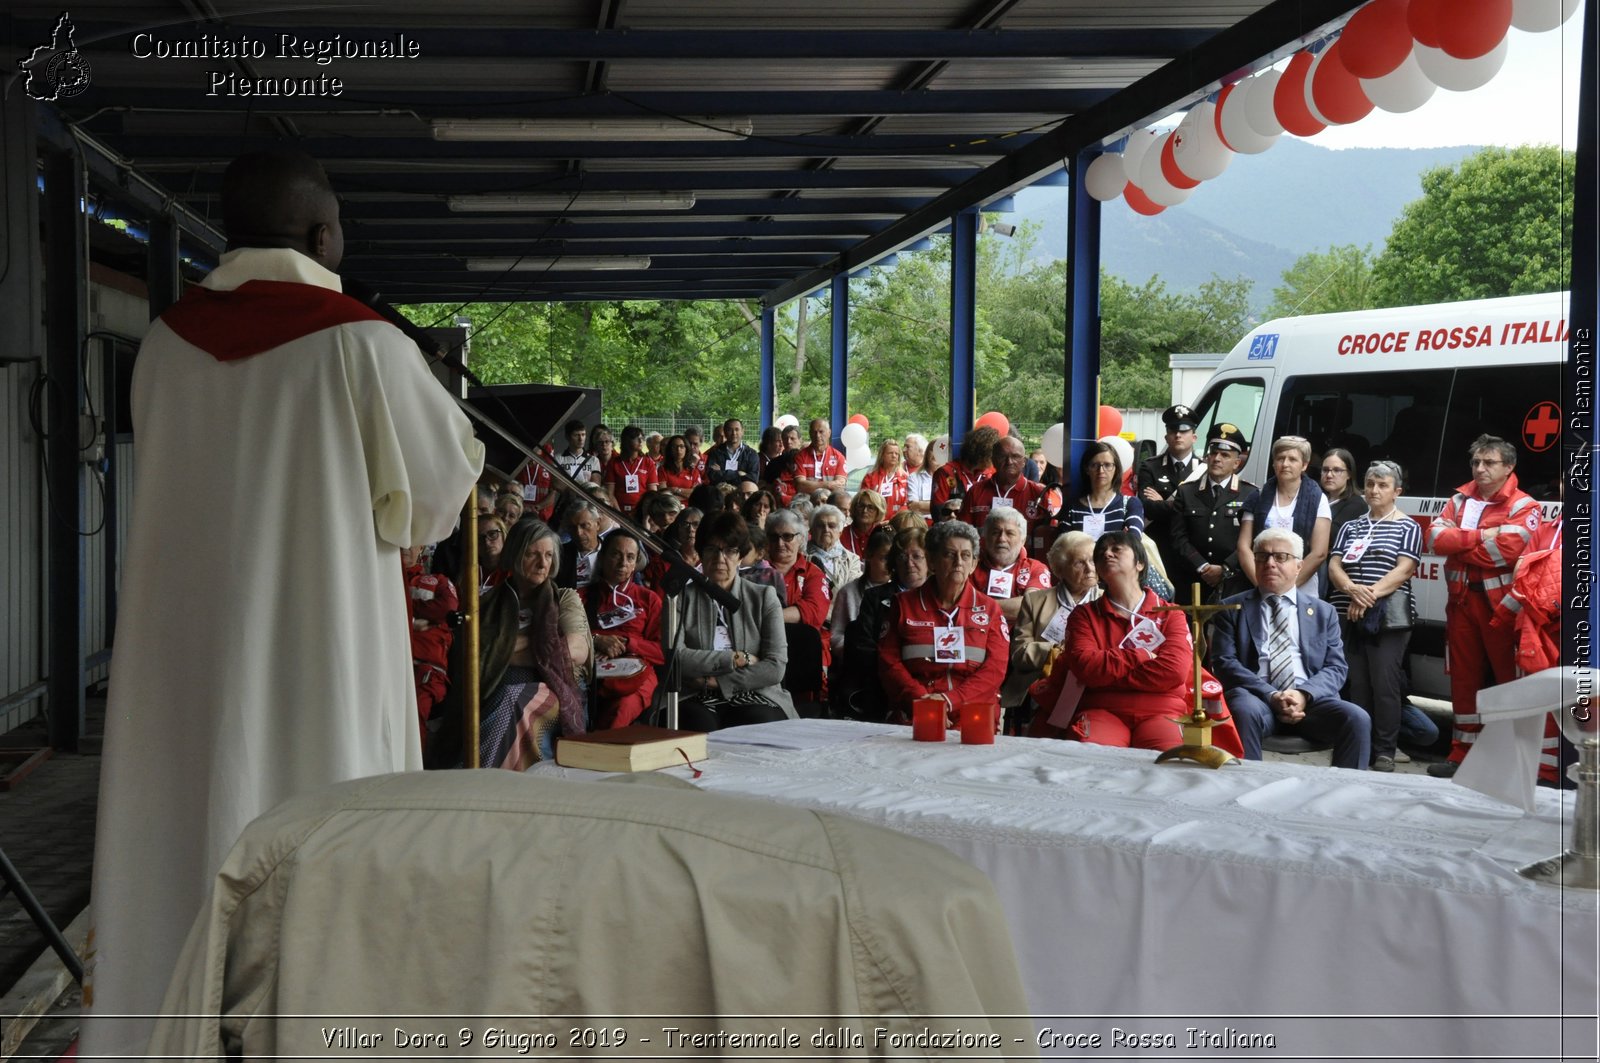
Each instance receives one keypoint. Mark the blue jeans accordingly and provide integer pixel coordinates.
(1416, 727)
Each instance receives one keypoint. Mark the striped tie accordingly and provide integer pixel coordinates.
(1280, 646)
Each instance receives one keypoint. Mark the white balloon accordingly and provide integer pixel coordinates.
(1459, 75)
(852, 436)
(1538, 16)
(1051, 444)
(1260, 112)
(1237, 130)
(1403, 89)
(1200, 153)
(939, 452)
(859, 457)
(1311, 103)
(786, 421)
(1105, 177)
(1154, 183)
(1139, 142)
(1123, 448)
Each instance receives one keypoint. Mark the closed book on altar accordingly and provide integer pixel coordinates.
(637, 747)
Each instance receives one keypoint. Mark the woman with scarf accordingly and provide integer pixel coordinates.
(1290, 500)
(828, 552)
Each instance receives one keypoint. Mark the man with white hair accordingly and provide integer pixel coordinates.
(1281, 662)
(1005, 572)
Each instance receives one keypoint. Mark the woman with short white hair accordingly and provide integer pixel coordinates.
(827, 550)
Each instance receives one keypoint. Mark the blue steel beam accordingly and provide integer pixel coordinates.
(768, 363)
(1081, 364)
(853, 207)
(518, 227)
(839, 381)
(442, 184)
(963, 324)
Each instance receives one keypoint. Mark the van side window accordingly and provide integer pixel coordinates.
(1236, 401)
(1399, 417)
(1521, 406)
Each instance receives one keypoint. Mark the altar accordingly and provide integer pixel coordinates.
(1265, 910)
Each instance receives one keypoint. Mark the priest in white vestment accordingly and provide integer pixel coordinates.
(289, 442)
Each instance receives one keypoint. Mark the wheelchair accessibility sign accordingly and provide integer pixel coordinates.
(1263, 347)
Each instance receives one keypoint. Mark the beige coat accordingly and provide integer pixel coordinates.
(1029, 651)
(503, 902)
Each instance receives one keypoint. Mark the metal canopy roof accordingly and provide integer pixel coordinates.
(871, 122)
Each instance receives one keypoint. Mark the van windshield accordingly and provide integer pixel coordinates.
(1236, 401)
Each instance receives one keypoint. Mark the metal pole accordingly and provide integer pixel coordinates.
(470, 697)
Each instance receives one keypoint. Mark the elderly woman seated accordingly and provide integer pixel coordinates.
(534, 652)
(867, 511)
(945, 638)
(805, 598)
(1041, 624)
(855, 686)
(828, 552)
(732, 664)
(625, 624)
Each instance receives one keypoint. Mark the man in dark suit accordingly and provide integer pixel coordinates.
(1160, 477)
(1281, 662)
(1204, 522)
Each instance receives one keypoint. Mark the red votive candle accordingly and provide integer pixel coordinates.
(977, 723)
(927, 720)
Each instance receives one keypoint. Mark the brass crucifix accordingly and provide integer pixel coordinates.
(1197, 725)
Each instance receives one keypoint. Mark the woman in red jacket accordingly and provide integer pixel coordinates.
(1133, 663)
(946, 637)
(625, 620)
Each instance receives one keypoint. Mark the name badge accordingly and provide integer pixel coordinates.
(585, 568)
(1094, 525)
(1356, 550)
(630, 483)
(1473, 513)
(731, 465)
(721, 641)
(949, 645)
(1000, 584)
(616, 617)
(530, 492)
(1001, 503)
(1056, 630)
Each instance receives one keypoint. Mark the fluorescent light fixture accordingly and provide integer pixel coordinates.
(699, 127)
(565, 262)
(573, 201)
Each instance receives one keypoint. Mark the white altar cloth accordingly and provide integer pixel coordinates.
(1305, 896)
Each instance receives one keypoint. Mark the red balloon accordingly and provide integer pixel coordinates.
(1337, 92)
(1110, 421)
(1222, 98)
(996, 420)
(1289, 100)
(1425, 18)
(1141, 203)
(1169, 165)
(1376, 40)
(1474, 27)
(861, 419)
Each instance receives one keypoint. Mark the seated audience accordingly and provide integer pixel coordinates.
(491, 544)
(625, 624)
(874, 573)
(888, 479)
(1281, 662)
(1041, 625)
(432, 602)
(757, 507)
(732, 665)
(1006, 487)
(659, 510)
(680, 536)
(1133, 664)
(867, 511)
(946, 638)
(730, 460)
(827, 552)
(1005, 572)
(602, 448)
(805, 598)
(508, 507)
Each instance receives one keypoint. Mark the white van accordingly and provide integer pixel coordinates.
(1410, 384)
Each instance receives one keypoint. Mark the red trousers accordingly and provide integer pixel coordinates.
(1480, 656)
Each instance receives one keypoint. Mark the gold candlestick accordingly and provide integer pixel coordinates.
(1196, 726)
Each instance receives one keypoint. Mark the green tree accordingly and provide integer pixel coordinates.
(1325, 282)
(1499, 224)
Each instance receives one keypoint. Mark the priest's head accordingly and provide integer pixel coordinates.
(282, 199)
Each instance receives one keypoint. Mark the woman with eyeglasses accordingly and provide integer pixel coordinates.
(732, 664)
(602, 448)
(491, 542)
(1291, 500)
(1370, 573)
(945, 638)
(1102, 507)
(1041, 624)
(1346, 501)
